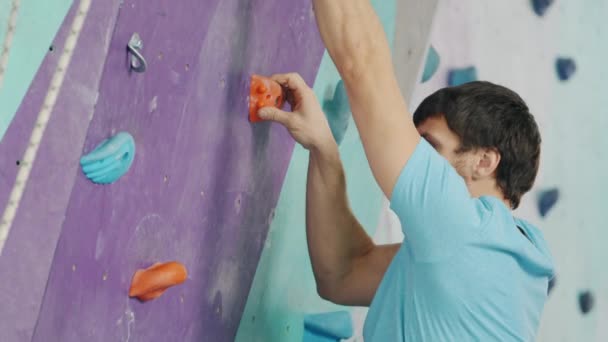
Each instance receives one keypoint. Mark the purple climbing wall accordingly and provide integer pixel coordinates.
(26, 259)
(204, 182)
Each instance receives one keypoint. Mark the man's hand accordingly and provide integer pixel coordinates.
(307, 122)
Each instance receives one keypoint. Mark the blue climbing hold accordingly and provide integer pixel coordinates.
(565, 67)
(546, 201)
(585, 301)
(552, 283)
(431, 65)
(328, 327)
(457, 77)
(110, 160)
(541, 6)
(338, 112)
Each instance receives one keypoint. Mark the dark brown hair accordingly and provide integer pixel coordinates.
(486, 115)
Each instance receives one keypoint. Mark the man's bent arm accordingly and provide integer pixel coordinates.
(358, 46)
(348, 267)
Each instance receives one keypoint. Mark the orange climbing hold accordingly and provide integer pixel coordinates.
(264, 92)
(152, 282)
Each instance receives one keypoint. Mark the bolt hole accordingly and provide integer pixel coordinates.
(18, 162)
(51, 48)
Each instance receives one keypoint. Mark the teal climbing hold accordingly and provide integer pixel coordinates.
(110, 160)
(328, 327)
(338, 112)
(457, 77)
(431, 65)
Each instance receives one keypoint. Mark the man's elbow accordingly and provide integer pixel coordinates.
(334, 292)
(324, 292)
(329, 291)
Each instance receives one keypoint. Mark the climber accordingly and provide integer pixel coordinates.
(467, 270)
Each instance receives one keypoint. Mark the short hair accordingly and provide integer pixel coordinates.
(486, 115)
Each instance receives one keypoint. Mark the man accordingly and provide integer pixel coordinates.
(467, 270)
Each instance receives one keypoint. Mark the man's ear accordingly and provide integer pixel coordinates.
(487, 162)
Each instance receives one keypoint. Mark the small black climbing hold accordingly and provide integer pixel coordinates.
(51, 48)
(541, 6)
(18, 162)
(586, 301)
(552, 283)
(547, 200)
(565, 67)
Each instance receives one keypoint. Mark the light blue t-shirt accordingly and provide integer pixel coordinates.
(465, 272)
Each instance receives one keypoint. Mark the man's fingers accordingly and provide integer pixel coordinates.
(276, 115)
(292, 81)
(295, 87)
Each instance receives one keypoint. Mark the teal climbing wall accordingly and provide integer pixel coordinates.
(30, 44)
(284, 290)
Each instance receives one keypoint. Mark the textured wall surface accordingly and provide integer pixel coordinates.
(202, 189)
(26, 259)
(37, 24)
(204, 183)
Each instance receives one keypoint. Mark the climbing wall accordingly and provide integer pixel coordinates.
(204, 182)
(28, 251)
(29, 44)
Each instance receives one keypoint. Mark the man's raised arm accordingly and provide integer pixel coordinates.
(358, 46)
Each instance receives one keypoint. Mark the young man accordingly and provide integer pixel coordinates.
(467, 270)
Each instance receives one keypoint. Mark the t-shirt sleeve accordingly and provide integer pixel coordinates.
(436, 211)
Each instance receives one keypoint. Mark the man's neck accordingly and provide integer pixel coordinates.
(490, 190)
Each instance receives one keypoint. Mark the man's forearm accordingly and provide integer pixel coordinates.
(335, 237)
(353, 36)
(355, 39)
